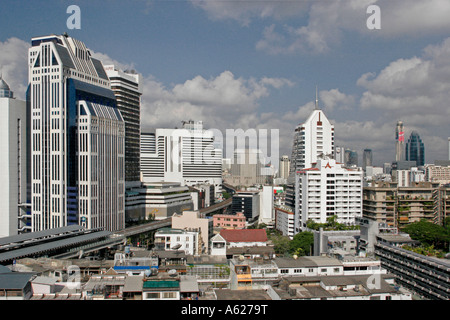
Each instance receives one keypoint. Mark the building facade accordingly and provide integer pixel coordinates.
(399, 142)
(77, 138)
(14, 211)
(185, 155)
(313, 138)
(126, 86)
(325, 190)
(415, 149)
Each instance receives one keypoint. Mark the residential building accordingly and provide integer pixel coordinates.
(437, 173)
(127, 88)
(171, 239)
(415, 149)
(427, 276)
(15, 216)
(325, 190)
(244, 237)
(187, 156)
(229, 221)
(77, 138)
(397, 206)
(335, 241)
(285, 220)
(194, 221)
(441, 197)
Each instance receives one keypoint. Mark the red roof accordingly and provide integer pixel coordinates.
(244, 235)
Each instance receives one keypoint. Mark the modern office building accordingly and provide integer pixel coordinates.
(367, 159)
(350, 158)
(14, 212)
(415, 149)
(247, 202)
(313, 138)
(185, 155)
(126, 86)
(77, 138)
(399, 142)
(327, 189)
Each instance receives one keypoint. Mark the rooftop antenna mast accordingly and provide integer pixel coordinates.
(317, 100)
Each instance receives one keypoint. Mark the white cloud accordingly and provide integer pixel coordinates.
(13, 64)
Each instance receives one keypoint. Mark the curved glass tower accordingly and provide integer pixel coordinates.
(415, 149)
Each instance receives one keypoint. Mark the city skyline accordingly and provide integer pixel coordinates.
(248, 64)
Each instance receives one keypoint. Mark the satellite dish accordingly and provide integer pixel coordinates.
(177, 246)
(172, 272)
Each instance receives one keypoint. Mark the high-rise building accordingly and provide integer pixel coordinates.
(399, 141)
(77, 138)
(14, 215)
(126, 86)
(350, 158)
(246, 168)
(284, 167)
(186, 155)
(367, 158)
(415, 149)
(327, 189)
(313, 138)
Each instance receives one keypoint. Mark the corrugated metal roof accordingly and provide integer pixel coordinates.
(15, 280)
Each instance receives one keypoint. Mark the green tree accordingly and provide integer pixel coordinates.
(429, 234)
(301, 244)
(281, 244)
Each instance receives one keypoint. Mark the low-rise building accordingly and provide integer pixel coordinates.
(229, 221)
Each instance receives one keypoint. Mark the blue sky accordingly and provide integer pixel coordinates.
(256, 64)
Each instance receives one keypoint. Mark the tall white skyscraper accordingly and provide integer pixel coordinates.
(313, 138)
(13, 163)
(186, 155)
(77, 138)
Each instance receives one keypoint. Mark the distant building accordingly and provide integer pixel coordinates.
(186, 155)
(313, 138)
(229, 221)
(415, 149)
(158, 200)
(247, 202)
(126, 86)
(367, 158)
(399, 142)
(284, 167)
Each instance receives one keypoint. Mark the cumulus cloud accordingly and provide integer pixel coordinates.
(317, 26)
(13, 64)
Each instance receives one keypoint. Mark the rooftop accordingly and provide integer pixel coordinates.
(244, 235)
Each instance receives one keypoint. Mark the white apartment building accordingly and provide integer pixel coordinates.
(77, 138)
(325, 190)
(437, 173)
(312, 138)
(285, 221)
(13, 163)
(170, 239)
(185, 155)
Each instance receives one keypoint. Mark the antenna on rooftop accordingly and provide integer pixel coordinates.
(317, 100)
